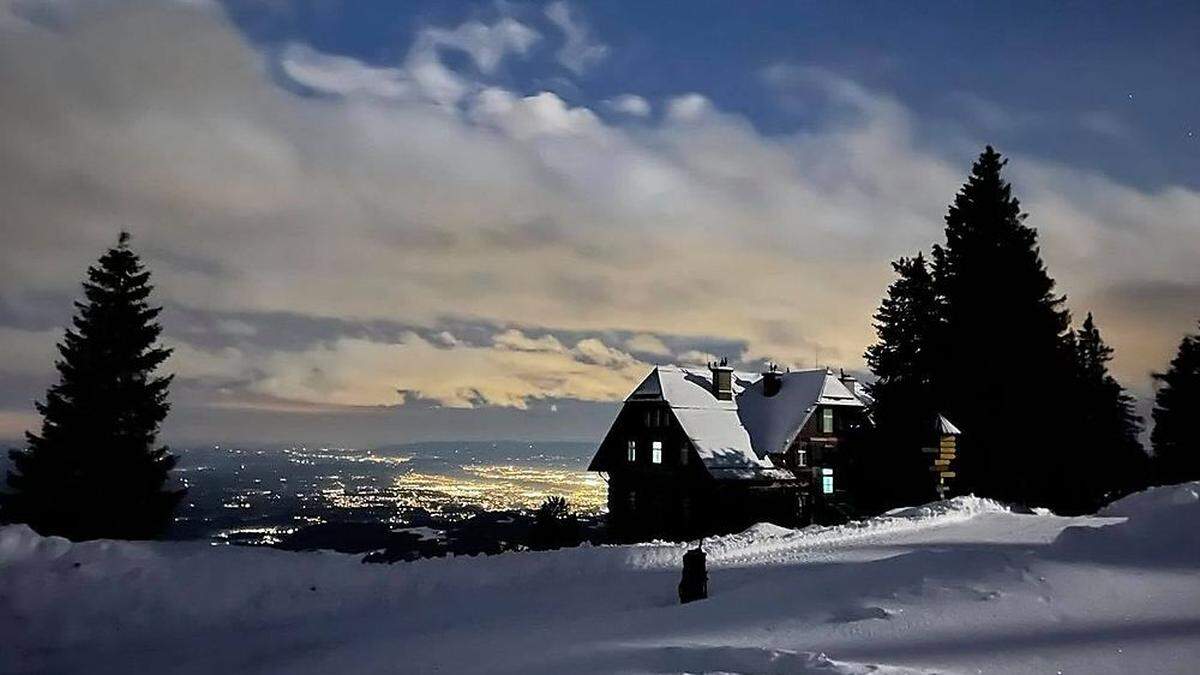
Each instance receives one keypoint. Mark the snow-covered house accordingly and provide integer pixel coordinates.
(707, 449)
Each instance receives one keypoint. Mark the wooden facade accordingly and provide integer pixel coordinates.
(659, 484)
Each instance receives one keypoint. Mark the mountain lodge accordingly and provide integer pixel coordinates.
(697, 450)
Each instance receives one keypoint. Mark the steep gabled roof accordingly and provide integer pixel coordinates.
(733, 438)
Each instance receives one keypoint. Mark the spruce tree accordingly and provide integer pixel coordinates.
(94, 469)
(904, 361)
(1176, 435)
(1004, 359)
(1105, 459)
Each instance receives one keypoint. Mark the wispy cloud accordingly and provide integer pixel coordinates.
(580, 51)
(419, 194)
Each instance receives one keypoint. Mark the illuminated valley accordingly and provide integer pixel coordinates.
(260, 496)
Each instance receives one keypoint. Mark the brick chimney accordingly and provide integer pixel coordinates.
(722, 380)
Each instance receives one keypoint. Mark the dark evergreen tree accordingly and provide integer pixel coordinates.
(904, 362)
(1105, 459)
(94, 470)
(554, 525)
(1004, 362)
(1176, 435)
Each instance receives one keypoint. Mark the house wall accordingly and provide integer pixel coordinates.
(678, 498)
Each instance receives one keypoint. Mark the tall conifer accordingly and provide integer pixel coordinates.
(94, 470)
(1105, 459)
(1176, 435)
(1005, 363)
(904, 361)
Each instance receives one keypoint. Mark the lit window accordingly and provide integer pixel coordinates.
(631, 453)
(827, 421)
(801, 458)
(656, 452)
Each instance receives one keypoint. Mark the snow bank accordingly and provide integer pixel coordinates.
(963, 585)
(1160, 524)
(765, 542)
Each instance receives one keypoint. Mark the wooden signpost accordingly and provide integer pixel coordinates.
(944, 454)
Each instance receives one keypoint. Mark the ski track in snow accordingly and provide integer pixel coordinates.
(964, 585)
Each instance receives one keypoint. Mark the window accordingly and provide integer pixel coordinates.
(827, 421)
(683, 455)
(801, 457)
(656, 452)
(631, 453)
(656, 418)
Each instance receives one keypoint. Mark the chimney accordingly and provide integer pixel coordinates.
(722, 380)
(850, 381)
(772, 380)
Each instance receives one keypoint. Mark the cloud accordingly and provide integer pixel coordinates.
(1106, 124)
(543, 114)
(630, 104)
(28, 352)
(513, 372)
(342, 75)
(647, 344)
(486, 44)
(579, 51)
(423, 75)
(527, 229)
(688, 108)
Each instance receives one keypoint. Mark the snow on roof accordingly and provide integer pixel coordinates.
(946, 428)
(734, 437)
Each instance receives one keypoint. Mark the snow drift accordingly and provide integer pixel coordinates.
(963, 585)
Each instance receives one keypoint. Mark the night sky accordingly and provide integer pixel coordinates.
(382, 222)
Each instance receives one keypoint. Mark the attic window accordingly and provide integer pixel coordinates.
(827, 421)
(656, 452)
(656, 418)
(631, 453)
(683, 455)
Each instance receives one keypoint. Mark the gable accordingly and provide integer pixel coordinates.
(734, 438)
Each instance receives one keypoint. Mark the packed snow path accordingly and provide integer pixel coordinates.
(960, 586)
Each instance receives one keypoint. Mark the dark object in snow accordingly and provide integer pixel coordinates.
(694, 584)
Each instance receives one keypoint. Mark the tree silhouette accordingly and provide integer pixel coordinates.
(94, 470)
(904, 361)
(1005, 358)
(1105, 460)
(1176, 435)
(554, 525)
